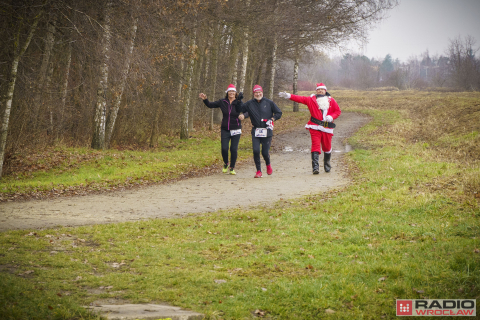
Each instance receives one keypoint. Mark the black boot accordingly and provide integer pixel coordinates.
(315, 165)
(326, 161)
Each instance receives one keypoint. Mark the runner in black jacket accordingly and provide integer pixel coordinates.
(263, 112)
(230, 128)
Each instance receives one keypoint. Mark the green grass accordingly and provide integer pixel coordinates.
(406, 228)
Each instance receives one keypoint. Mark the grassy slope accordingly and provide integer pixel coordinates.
(407, 227)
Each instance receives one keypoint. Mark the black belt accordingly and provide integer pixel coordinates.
(324, 124)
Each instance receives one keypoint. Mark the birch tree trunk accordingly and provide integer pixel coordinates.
(98, 141)
(17, 55)
(272, 68)
(243, 69)
(64, 91)
(199, 57)
(295, 78)
(188, 77)
(47, 98)
(37, 100)
(213, 72)
(234, 48)
(112, 117)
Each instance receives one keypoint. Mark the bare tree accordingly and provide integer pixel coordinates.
(112, 117)
(98, 141)
(18, 52)
(464, 68)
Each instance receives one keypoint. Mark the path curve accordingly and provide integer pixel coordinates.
(291, 178)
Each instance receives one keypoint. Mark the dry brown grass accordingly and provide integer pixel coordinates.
(445, 123)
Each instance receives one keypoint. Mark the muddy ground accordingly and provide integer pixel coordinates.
(292, 177)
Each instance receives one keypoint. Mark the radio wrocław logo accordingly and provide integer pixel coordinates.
(437, 307)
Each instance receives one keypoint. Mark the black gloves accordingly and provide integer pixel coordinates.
(238, 100)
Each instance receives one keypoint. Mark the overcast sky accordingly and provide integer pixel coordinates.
(417, 25)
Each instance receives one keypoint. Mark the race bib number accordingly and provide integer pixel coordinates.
(235, 132)
(261, 132)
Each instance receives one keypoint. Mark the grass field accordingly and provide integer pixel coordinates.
(406, 228)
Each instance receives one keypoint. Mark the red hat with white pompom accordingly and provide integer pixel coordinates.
(321, 85)
(231, 87)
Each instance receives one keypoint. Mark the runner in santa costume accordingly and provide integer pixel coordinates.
(323, 110)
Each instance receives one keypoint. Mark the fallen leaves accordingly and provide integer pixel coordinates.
(259, 313)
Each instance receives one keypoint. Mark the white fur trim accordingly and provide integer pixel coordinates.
(319, 128)
(230, 89)
(321, 87)
(323, 103)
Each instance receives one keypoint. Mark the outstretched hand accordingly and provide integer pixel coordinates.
(284, 94)
(202, 96)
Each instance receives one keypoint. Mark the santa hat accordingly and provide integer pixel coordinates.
(321, 86)
(231, 87)
(257, 88)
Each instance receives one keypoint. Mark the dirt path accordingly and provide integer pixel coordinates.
(292, 177)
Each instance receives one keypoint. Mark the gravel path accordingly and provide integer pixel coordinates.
(292, 177)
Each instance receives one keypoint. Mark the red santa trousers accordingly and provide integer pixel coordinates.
(321, 138)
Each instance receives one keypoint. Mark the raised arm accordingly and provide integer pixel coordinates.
(293, 97)
(216, 104)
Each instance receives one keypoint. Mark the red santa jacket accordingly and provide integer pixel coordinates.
(316, 112)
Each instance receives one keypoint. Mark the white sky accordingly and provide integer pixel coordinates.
(417, 25)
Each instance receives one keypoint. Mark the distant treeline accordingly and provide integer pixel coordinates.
(457, 70)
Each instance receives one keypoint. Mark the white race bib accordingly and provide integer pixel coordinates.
(260, 132)
(235, 132)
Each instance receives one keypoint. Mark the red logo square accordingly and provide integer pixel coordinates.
(404, 307)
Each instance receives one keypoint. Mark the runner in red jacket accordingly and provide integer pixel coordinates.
(323, 110)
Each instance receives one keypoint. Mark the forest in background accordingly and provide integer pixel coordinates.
(458, 69)
(112, 73)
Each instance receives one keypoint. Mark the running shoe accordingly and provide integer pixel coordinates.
(258, 174)
(269, 169)
(225, 168)
(232, 171)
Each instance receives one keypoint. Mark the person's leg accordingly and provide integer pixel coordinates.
(256, 152)
(266, 143)
(315, 136)
(327, 150)
(234, 150)
(225, 141)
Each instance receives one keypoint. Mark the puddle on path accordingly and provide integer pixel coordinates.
(347, 148)
(290, 149)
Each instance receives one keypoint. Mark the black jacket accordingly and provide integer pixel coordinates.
(230, 119)
(265, 109)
